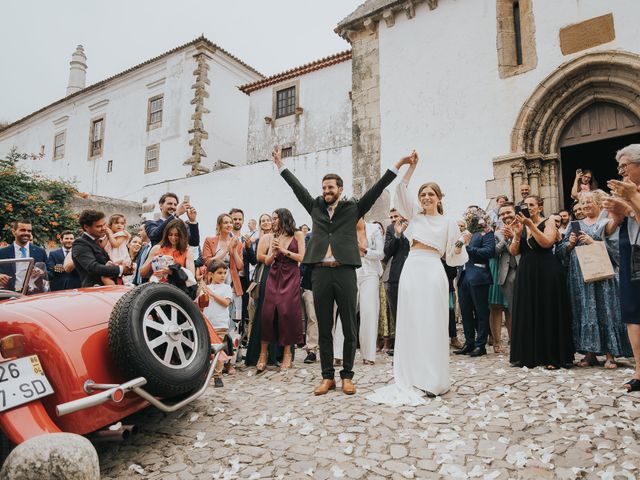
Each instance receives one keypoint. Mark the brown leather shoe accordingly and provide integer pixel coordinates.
(326, 385)
(348, 387)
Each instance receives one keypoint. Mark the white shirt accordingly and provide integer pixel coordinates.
(216, 313)
(436, 231)
(375, 251)
(21, 267)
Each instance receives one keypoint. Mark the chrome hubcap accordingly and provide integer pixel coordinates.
(170, 334)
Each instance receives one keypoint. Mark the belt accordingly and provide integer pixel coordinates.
(328, 264)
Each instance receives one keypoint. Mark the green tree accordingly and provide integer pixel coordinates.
(44, 201)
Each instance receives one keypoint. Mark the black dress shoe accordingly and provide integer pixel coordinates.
(311, 358)
(466, 350)
(478, 352)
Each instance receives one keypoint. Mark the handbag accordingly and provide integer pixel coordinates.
(635, 260)
(594, 261)
(253, 290)
(202, 294)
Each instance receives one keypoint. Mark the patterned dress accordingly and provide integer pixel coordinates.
(597, 324)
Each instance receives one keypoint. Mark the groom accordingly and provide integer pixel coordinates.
(334, 255)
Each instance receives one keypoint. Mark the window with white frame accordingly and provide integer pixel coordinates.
(58, 145)
(97, 137)
(152, 158)
(154, 117)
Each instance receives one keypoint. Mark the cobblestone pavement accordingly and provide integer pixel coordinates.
(497, 422)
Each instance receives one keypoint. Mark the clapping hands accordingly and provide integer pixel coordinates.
(275, 246)
(621, 188)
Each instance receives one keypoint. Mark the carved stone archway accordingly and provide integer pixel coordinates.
(605, 76)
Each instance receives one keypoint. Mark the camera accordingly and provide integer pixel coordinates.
(524, 210)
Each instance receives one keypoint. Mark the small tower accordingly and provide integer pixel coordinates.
(78, 71)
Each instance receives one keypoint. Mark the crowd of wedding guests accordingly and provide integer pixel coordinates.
(524, 271)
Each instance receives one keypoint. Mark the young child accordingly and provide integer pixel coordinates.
(220, 297)
(115, 244)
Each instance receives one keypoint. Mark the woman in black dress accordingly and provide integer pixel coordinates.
(541, 317)
(260, 278)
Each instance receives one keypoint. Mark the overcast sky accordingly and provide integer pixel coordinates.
(37, 38)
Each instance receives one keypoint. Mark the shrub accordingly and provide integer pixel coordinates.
(44, 201)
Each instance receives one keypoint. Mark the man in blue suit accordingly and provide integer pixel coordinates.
(12, 274)
(58, 278)
(474, 280)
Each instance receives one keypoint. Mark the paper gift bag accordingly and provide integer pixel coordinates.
(594, 262)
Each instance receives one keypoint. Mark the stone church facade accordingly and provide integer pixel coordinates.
(497, 90)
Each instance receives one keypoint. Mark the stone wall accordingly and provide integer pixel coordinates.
(366, 117)
(131, 210)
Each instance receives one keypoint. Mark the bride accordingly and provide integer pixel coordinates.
(421, 358)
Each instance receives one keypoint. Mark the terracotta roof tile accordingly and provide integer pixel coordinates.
(297, 71)
(202, 39)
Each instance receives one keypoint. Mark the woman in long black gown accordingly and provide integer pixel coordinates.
(262, 272)
(541, 316)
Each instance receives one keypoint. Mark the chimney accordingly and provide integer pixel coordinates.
(78, 71)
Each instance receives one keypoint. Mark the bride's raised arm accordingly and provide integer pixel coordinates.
(403, 202)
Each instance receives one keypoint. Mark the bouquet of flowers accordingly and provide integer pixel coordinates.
(160, 262)
(475, 220)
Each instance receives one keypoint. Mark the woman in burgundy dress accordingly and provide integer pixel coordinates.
(281, 320)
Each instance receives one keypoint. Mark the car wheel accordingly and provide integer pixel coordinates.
(157, 332)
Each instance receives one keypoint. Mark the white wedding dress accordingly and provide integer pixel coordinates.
(421, 351)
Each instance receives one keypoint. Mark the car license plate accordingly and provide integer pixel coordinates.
(21, 381)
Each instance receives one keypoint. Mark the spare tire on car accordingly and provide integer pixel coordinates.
(157, 332)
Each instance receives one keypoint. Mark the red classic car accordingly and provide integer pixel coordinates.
(80, 360)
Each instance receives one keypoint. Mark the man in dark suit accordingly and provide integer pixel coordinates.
(12, 274)
(474, 281)
(333, 252)
(170, 209)
(396, 248)
(58, 278)
(90, 259)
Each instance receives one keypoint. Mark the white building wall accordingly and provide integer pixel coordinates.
(227, 122)
(256, 188)
(124, 101)
(325, 124)
(440, 92)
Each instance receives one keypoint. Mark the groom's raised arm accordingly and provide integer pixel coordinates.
(303, 195)
(370, 196)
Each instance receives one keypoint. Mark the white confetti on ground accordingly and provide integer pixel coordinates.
(337, 471)
(134, 467)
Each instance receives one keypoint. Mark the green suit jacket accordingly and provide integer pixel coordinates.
(340, 230)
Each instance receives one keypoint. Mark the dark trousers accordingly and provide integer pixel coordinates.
(337, 285)
(474, 306)
(392, 298)
(452, 323)
(245, 282)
